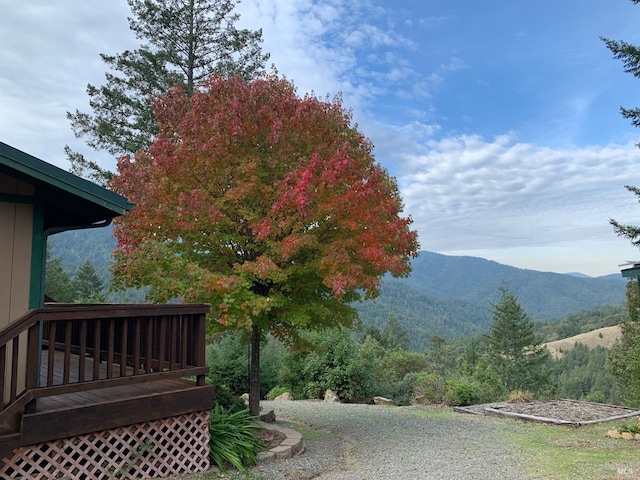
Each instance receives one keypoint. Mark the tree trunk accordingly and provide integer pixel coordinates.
(254, 372)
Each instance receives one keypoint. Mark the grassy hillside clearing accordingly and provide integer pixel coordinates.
(604, 337)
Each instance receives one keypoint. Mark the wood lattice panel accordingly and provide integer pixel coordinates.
(156, 449)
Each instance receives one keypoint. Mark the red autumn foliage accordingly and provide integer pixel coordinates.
(267, 205)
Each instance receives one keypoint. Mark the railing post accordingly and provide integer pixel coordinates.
(33, 363)
(199, 345)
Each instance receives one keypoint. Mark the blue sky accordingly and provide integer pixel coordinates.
(499, 119)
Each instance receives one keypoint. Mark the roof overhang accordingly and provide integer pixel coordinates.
(68, 200)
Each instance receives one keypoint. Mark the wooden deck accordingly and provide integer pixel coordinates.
(77, 413)
(99, 367)
(70, 414)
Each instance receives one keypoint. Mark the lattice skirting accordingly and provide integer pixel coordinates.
(157, 449)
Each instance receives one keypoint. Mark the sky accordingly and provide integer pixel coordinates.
(499, 120)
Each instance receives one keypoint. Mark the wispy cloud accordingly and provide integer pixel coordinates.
(470, 193)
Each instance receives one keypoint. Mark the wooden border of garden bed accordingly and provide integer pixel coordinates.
(496, 409)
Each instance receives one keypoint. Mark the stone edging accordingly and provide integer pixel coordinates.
(290, 446)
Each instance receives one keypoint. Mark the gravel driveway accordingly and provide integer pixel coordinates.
(368, 442)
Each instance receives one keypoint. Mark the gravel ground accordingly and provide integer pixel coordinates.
(368, 442)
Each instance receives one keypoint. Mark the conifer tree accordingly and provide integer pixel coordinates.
(184, 42)
(514, 352)
(624, 359)
(58, 285)
(87, 284)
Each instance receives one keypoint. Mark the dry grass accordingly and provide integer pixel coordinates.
(604, 337)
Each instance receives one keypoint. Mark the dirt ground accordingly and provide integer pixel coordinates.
(270, 438)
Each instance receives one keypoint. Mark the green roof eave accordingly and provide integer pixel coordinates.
(58, 178)
(631, 272)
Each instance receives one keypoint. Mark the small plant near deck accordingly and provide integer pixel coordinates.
(233, 441)
(520, 396)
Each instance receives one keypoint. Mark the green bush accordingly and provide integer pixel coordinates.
(429, 388)
(276, 392)
(229, 402)
(400, 392)
(333, 362)
(233, 441)
(491, 387)
(461, 393)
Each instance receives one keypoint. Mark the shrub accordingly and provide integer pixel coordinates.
(429, 388)
(520, 396)
(276, 392)
(229, 402)
(596, 396)
(461, 393)
(232, 439)
(633, 428)
(402, 392)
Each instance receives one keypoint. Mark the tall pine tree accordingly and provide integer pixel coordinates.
(184, 42)
(88, 285)
(624, 358)
(514, 351)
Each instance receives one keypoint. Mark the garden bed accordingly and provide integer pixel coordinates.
(557, 412)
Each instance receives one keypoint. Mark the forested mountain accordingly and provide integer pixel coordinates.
(445, 295)
(452, 296)
(75, 247)
(543, 295)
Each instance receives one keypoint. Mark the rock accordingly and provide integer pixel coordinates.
(245, 398)
(285, 396)
(382, 401)
(330, 396)
(267, 416)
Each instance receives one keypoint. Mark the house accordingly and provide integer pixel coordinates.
(89, 391)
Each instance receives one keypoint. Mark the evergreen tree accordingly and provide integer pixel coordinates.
(185, 42)
(87, 284)
(623, 359)
(514, 352)
(58, 285)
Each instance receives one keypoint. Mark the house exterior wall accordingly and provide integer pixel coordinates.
(16, 233)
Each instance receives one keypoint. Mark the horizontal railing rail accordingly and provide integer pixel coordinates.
(66, 348)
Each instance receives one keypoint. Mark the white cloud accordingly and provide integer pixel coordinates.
(467, 193)
(499, 197)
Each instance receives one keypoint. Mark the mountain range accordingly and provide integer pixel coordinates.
(449, 296)
(452, 296)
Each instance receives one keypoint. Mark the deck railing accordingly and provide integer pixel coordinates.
(65, 348)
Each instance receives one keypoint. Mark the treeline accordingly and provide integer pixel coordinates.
(383, 358)
(583, 322)
(377, 361)
(84, 284)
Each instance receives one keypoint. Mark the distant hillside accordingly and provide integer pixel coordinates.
(453, 296)
(77, 246)
(423, 315)
(445, 295)
(543, 295)
(604, 337)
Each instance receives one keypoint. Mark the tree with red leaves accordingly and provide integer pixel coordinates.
(267, 205)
